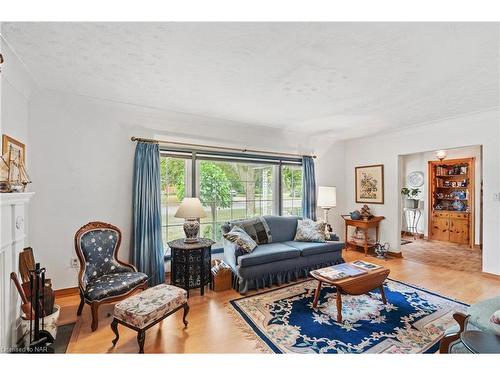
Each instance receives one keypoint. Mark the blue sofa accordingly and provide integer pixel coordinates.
(281, 261)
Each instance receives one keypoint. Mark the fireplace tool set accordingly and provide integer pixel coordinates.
(35, 308)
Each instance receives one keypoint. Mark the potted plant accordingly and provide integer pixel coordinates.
(411, 197)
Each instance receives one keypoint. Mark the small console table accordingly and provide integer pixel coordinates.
(191, 263)
(364, 225)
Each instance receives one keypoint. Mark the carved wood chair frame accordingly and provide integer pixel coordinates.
(94, 304)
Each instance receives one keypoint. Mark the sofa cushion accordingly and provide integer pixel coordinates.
(256, 228)
(310, 231)
(282, 228)
(241, 238)
(268, 253)
(313, 248)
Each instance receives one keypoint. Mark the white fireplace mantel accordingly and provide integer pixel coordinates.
(13, 238)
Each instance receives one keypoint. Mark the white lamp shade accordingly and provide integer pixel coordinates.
(327, 196)
(190, 208)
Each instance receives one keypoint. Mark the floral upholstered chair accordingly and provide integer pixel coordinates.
(102, 277)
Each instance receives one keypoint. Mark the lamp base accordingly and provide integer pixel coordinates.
(191, 229)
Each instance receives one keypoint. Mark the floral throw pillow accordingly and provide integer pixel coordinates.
(495, 318)
(241, 238)
(310, 231)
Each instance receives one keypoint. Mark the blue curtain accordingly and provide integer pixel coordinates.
(309, 187)
(147, 242)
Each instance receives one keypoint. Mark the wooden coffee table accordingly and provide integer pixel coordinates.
(354, 285)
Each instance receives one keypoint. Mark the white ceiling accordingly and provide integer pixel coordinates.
(335, 79)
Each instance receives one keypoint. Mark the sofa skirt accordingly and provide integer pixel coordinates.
(286, 271)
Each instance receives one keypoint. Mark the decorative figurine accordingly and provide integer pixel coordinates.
(365, 212)
(382, 250)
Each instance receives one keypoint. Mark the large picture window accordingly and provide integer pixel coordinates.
(229, 189)
(291, 192)
(233, 190)
(174, 180)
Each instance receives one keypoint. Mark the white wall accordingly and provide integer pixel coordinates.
(475, 129)
(330, 167)
(16, 86)
(84, 159)
(418, 162)
(15, 90)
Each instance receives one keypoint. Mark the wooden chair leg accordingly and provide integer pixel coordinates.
(186, 311)
(94, 306)
(141, 337)
(114, 327)
(80, 307)
(446, 341)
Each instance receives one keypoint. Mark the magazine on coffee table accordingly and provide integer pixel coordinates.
(340, 271)
(365, 265)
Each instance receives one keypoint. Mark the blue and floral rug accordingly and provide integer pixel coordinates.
(412, 321)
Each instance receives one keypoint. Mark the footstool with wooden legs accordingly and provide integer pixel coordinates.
(143, 310)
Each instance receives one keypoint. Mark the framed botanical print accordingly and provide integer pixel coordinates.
(370, 184)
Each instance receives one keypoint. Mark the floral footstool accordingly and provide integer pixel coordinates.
(142, 311)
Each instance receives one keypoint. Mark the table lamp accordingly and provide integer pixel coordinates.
(191, 210)
(327, 199)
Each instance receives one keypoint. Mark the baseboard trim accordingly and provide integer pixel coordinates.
(491, 275)
(371, 251)
(410, 234)
(65, 292)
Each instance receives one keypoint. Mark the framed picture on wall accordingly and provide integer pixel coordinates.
(370, 184)
(16, 148)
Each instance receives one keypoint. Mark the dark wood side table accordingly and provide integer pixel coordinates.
(364, 225)
(191, 263)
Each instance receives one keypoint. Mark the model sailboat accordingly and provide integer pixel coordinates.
(15, 178)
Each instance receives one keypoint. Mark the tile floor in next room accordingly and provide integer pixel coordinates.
(212, 330)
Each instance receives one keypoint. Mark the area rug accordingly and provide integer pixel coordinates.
(405, 242)
(283, 320)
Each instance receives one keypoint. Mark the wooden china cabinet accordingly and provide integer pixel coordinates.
(451, 201)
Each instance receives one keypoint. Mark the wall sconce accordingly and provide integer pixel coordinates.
(441, 154)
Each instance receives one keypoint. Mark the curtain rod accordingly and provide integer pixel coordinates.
(138, 139)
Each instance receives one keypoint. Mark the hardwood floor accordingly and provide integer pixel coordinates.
(445, 254)
(212, 329)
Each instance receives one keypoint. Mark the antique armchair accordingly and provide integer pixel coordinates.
(477, 318)
(102, 277)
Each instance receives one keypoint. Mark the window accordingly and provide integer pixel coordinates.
(291, 186)
(173, 175)
(229, 187)
(233, 190)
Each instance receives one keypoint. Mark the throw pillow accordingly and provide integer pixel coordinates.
(495, 318)
(256, 228)
(241, 238)
(310, 231)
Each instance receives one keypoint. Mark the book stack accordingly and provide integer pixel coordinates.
(340, 271)
(365, 265)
